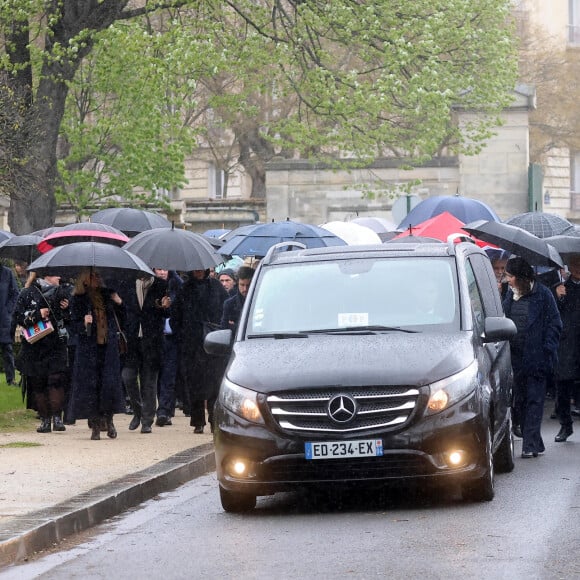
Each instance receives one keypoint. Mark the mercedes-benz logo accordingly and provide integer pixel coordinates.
(342, 408)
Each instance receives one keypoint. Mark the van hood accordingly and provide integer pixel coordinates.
(267, 365)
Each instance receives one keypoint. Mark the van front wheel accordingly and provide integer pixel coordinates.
(234, 502)
(482, 489)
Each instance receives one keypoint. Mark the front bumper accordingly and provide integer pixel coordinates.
(276, 460)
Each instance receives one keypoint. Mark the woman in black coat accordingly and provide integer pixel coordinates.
(198, 305)
(534, 349)
(97, 392)
(43, 363)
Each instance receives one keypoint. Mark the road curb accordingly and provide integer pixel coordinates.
(24, 535)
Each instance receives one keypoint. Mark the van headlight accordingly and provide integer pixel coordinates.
(448, 391)
(240, 401)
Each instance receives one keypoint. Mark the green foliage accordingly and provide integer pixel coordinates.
(344, 82)
(13, 413)
(121, 128)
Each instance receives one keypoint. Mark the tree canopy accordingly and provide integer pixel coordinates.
(109, 95)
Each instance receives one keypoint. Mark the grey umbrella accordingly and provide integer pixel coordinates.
(534, 250)
(174, 249)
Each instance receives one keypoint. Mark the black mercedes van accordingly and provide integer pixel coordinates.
(365, 363)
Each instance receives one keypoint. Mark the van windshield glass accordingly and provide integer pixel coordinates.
(417, 294)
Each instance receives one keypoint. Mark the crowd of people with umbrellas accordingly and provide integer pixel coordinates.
(116, 308)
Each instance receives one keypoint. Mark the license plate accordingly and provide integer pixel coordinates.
(334, 449)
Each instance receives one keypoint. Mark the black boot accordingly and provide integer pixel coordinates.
(44, 425)
(57, 424)
(135, 422)
(111, 431)
(564, 433)
(95, 425)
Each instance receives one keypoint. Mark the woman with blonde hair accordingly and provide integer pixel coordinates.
(96, 317)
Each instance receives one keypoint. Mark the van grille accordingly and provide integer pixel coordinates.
(364, 409)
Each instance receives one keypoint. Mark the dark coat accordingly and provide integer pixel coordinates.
(48, 355)
(232, 311)
(96, 377)
(198, 301)
(540, 354)
(569, 350)
(8, 295)
(151, 318)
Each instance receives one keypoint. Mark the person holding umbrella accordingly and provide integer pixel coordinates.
(97, 392)
(43, 362)
(534, 349)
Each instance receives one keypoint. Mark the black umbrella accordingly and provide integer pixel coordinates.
(565, 244)
(21, 248)
(539, 223)
(129, 220)
(111, 261)
(516, 240)
(174, 249)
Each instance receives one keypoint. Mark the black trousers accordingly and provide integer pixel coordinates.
(565, 391)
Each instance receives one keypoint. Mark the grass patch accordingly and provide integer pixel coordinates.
(14, 416)
(19, 444)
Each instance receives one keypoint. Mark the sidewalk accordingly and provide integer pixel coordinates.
(67, 483)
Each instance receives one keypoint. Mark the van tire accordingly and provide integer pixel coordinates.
(235, 502)
(482, 489)
(504, 455)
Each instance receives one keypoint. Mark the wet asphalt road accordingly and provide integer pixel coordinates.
(531, 530)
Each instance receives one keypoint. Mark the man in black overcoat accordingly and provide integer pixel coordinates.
(568, 368)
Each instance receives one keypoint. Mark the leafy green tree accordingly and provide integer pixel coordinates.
(363, 77)
(122, 128)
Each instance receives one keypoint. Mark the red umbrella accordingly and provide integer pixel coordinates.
(83, 232)
(440, 227)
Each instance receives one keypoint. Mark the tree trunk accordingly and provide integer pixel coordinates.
(254, 153)
(32, 200)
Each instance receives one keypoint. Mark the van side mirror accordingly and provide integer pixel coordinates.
(497, 328)
(218, 342)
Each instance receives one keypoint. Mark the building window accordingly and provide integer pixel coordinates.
(575, 180)
(215, 182)
(574, 21)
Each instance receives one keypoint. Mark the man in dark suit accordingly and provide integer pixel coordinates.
(146, 308)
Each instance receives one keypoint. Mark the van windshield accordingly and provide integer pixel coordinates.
(413, 294)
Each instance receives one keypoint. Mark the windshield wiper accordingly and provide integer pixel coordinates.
(371, 329)
(279, 335)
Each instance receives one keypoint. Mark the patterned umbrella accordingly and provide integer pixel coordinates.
(541, 224)
(83, 232)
